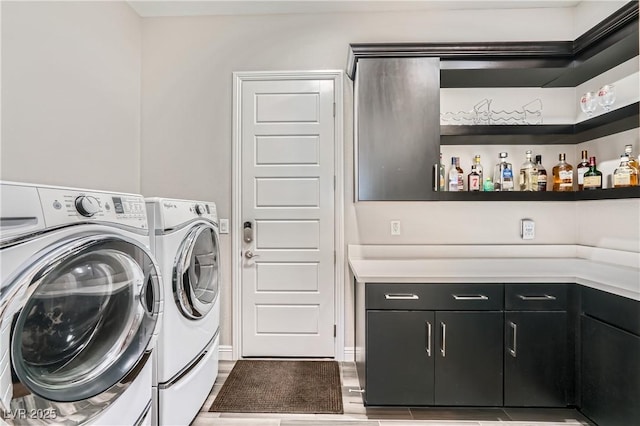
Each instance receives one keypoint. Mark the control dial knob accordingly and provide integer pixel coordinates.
(87, 206)
(200, 209)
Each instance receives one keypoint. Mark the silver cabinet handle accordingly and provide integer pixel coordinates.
(541, 297)
(514, 331)
(249, 254)
(402, 296)
(428, 345)
(443, 330)
(470, 297)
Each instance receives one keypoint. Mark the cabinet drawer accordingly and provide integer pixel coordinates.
(616, 310)
(536, 297)
(455, 297)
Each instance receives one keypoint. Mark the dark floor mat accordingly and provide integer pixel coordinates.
(309, 387)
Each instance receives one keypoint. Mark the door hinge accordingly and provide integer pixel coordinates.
(334, 182)
(334, 109)
(335, 330)
(334, 257)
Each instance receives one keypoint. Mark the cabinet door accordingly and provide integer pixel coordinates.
(535, 359)
(398, 127)
(469, 358)
(400, 355)
(610, 377)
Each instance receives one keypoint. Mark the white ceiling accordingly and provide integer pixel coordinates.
(150, 8)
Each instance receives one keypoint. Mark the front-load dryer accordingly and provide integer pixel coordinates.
(80, 301)
(185, 243)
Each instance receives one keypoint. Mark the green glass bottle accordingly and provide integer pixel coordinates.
(592, 177)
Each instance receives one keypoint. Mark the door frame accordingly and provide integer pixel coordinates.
(236, 198)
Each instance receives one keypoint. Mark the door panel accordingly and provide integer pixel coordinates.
(290, 150)
(288, 234)
(301, 319)
(288, 198)
(610, 374)
(469, 358)
(287, 107)
(400, 357)
(535, 360)
(288, 192)
(287, 276)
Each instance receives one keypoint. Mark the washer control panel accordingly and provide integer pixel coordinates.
(62, 207)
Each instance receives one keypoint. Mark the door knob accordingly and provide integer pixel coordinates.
(249, 254)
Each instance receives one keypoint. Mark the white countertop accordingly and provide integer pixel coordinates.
(614, 271)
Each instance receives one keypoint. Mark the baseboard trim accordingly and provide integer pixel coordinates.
(349, 354)
(225, 353)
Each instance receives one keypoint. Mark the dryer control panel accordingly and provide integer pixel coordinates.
(172, 213)
(61, 207)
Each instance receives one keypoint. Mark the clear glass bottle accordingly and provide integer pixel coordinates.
(563, 175)
(582, 168)
(503, 174)
(456, 175)
(528, 174)
(479, 170)
(633, 161)
(474, 181)
(542, 174)
(625, 175)
(592, 177)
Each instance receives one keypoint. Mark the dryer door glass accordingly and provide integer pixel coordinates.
(197, 273)
(91, 311)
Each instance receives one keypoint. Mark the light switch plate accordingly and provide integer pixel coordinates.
(527, 229)
(224, 226)
(395, 227)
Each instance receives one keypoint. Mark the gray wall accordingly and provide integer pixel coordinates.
(71, 94)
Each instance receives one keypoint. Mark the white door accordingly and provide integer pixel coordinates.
(287, 145)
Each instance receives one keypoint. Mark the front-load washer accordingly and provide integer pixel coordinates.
(184, 240)
(80, 301)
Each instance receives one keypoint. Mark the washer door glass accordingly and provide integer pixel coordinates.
(88, 319)
(196, 275)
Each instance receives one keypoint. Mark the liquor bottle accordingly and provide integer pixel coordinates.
(528, 174)
(441, 176)
(563, 175)
(582, 169)
(625, 175)
(488, 185)
(456, 175)
(633, 161)
(542, 174)
(474, 181)
(593, 176)
(479, 170)
(503, 174)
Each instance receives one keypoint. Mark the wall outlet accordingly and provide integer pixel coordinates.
(224, 226)
(395, 227)
(527, 229)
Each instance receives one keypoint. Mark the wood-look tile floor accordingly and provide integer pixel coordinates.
(355, 413)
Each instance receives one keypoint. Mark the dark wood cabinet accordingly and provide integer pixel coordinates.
(610, 358)
(537, 357)
(535, 363)
(513, 345)
(610, 378)
(469, 358)
(400, 358)
(432, 344)
(397, 128)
